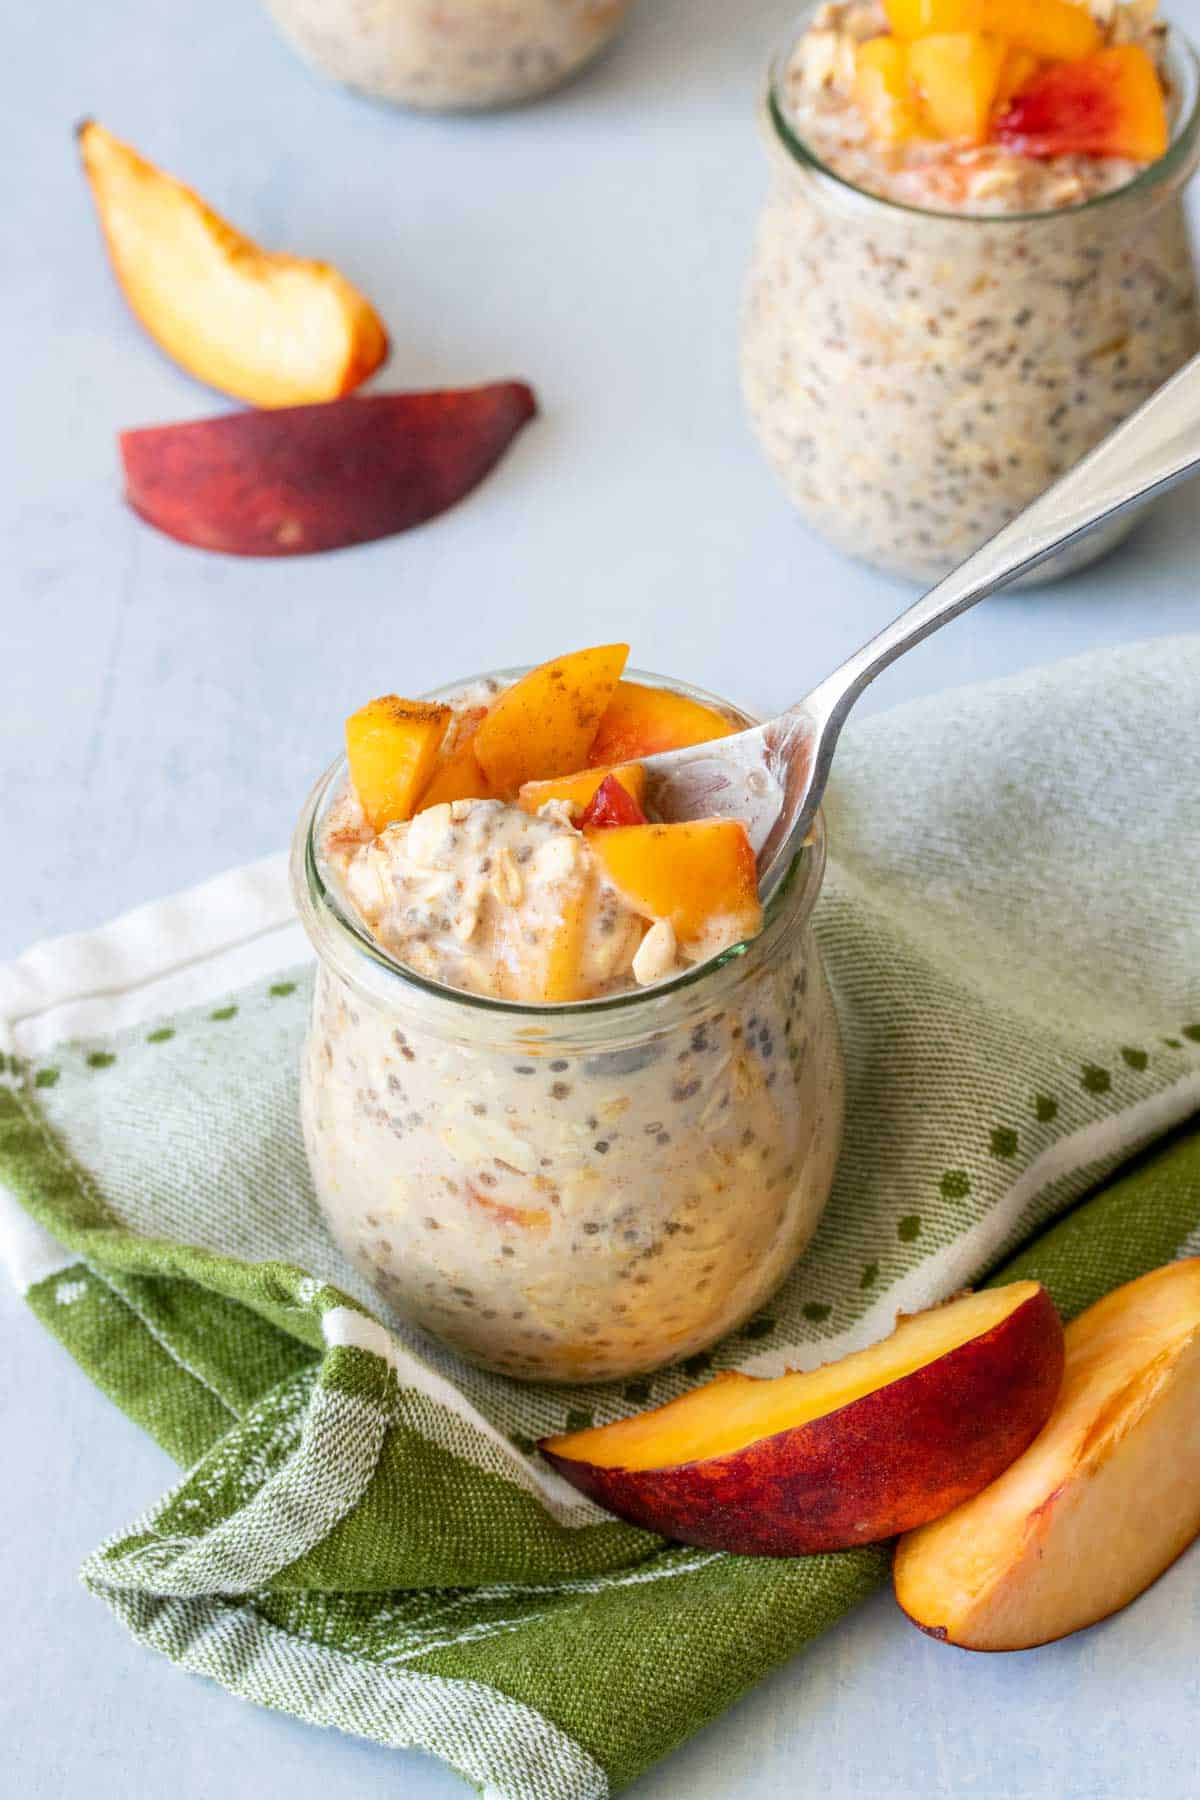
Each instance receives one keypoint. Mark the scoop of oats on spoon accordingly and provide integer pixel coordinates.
(773, 777)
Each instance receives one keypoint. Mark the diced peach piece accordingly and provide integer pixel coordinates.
(269, 329)
(957, 74)
(840, 1455)
(1058, 30)
(459, 777)
(456, 773)
(502, 1212)
(611, 805)
(884, 91)
(577, 790)
(1110, 104)
(699, 874)
(562, 971)
(392, 746)
(1018, 68)
(918, 18)
(642, 721)
(544, 724)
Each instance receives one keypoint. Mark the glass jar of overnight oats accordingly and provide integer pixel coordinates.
(579, 1191)
(450, 55)
(917, 374)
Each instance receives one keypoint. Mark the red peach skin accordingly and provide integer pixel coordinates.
(611, 804)
(909, 1450)
(300, 479)
(1109, 104)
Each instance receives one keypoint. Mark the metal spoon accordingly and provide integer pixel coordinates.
(773, 776)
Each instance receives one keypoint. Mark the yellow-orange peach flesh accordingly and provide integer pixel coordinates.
(270, 329)
(643, 721)
(545, 723)
(1103, 1500)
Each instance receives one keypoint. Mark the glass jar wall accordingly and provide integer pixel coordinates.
(580, 1192)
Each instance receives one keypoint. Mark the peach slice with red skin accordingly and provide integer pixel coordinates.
(308, 478)
(578, 790)
(544, 724)
(845, 1455)
(698, 873)
(1109, 104)
(642, 721)
(269, 329)
(1101, 1502)
(392, 746)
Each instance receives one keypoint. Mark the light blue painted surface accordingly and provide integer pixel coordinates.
(162, 713)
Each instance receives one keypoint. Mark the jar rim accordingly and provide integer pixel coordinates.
(1184, 136)
(331, 925)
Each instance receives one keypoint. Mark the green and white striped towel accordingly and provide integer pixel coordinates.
(362, 1536)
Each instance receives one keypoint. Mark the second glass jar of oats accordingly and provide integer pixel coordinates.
(450, 55)
(931, 338)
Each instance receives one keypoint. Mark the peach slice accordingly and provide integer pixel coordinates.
(268, 329)
(957, 74)
(578, 790)
(1100, 1503)
(311, 478)
(641, 721)
(1058, 30)
(1110, 104)
(846, 1454)
(700, 874)
(392, 745)
(884, 91)
(544, 724)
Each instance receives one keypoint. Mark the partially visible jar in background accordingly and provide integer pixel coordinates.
(933, 332)
(450, 55)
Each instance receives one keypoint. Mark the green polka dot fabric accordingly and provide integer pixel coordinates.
(362, 1533)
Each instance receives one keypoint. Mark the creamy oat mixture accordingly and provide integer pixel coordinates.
(482, 896)
(817, 92)
(917, 378)
(449, 54)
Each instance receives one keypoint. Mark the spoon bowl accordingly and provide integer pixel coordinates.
(772, 777)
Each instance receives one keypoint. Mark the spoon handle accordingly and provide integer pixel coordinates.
(1154, 448)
